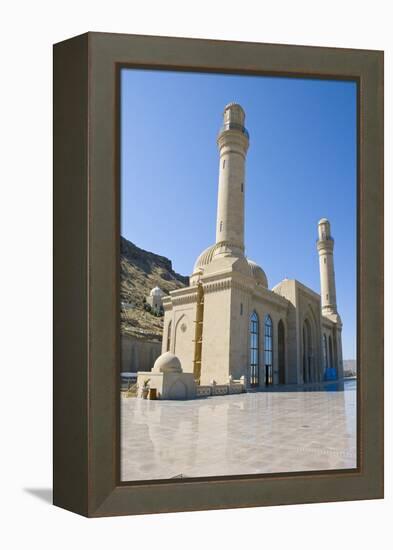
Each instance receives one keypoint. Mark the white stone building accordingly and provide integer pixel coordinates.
(228, 323)
(155, 298)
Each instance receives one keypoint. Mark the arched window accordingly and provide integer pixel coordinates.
(254, 349)
(330, 352)
(168, 336)
(268, 350)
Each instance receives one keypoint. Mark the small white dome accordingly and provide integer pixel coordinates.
(258, 274)
(167, 362)
(156, 291)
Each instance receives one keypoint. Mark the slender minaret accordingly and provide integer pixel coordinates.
(325, 245)
(232, 145)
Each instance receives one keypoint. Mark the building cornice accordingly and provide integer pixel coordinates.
(180, 296)
(217, 286)
(267, 295)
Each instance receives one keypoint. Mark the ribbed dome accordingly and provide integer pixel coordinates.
(167, 362)
(258, 274)
(205, 257)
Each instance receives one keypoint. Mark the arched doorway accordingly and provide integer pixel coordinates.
(281, 352)
(268, 350)
(307, 351)
(254, 349)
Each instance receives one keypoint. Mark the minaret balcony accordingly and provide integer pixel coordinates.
(235, 126)
(325, 244)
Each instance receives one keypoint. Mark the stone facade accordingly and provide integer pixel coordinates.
(228, 323)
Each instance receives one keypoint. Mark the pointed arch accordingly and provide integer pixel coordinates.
(182, 321)
(268, 349)
(311, 346)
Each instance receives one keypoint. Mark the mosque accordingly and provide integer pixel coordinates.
(227, 324)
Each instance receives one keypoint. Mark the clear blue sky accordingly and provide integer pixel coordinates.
(301, 166)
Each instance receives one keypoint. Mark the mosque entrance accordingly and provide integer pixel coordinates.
(268, 375)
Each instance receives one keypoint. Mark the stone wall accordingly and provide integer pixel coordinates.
(138, 354)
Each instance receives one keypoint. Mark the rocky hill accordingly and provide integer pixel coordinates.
(140, 271)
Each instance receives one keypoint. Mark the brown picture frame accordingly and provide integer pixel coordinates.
(86, 274)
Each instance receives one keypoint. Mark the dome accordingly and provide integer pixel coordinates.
(156, 291)
(167, 362)
(323, 220)
(258, 274)
(233, 105)
(205, 257)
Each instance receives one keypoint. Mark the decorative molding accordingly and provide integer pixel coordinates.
(217, 286)
(185, 299)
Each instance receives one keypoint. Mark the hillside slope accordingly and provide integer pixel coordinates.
(140, 271)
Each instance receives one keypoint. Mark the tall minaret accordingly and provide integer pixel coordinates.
(232, 145)
(325, 245)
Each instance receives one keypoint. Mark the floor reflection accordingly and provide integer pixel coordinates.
(262, 432)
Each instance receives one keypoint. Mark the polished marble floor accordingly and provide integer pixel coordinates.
(285, 430)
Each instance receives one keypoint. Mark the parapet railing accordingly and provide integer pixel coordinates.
(235, 126)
